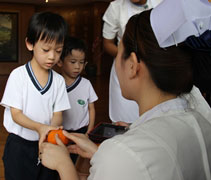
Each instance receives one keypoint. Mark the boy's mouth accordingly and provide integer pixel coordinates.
(49, 64)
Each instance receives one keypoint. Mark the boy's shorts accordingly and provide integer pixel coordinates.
(20, 160)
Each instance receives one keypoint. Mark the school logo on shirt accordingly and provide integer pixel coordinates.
(81, 102)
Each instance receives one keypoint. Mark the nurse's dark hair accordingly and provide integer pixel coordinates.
(170, 68)
(46, 26)
(73, 43)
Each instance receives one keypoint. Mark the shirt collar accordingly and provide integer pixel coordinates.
(74, 85)
(167, 107)
(36, 83)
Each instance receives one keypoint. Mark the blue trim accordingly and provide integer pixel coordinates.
(35, 81)
(74, 85)
(48, 85)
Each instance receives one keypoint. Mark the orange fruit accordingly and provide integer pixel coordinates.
(51, 137)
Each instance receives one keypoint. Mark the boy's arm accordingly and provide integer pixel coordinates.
(26, 122)
(56, 119)
(91, 108)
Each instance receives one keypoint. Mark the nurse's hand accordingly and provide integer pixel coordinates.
(52, 155)
(121, 123)
(56, 157)
(83, 145)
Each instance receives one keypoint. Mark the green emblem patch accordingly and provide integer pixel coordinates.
(81, 102)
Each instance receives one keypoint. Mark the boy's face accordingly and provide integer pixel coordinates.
(46, 54)
(74, 63)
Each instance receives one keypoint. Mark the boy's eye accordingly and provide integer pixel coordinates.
(45, 50)
(73, 62)
(58, 51)
(82, 62)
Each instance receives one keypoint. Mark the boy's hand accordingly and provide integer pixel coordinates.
(44, 130)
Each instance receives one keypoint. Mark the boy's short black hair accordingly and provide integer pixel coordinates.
(71, 43)
(46, 26)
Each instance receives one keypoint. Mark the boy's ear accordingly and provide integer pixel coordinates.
(134, 65)
(60, 63)
(29, 45)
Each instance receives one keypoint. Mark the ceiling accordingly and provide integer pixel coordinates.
(54, 2)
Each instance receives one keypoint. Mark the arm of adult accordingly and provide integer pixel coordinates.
(83, 145)
(121, 123)
(110, 46)
(111, 28)
(57, 157)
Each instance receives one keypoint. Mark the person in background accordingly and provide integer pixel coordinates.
(34, 99)
(115, 19)
(170, 140)
(81, 117)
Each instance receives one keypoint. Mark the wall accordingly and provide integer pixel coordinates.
(24, 13)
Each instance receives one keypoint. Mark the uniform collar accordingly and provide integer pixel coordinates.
(167, 107)
(41, 89)
(74, 85)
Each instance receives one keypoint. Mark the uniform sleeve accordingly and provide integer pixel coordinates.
(92, 95)
(62, 101)
(115, 161)
(13, 92)
(111, 23)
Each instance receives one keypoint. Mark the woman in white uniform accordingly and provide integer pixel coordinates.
(170, 140)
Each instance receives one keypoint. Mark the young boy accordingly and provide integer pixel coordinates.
(81, 117)
(34, 99)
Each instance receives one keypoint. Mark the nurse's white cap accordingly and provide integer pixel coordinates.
(174, 20)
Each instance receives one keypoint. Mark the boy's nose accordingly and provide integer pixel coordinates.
(77, 65)
(51, 55)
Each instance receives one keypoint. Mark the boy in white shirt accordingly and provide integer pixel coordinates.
(81, 117)
(34, 99)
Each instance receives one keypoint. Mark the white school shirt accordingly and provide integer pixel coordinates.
(115, 20)
(168, 142)
(24, 92)
(80, 95)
